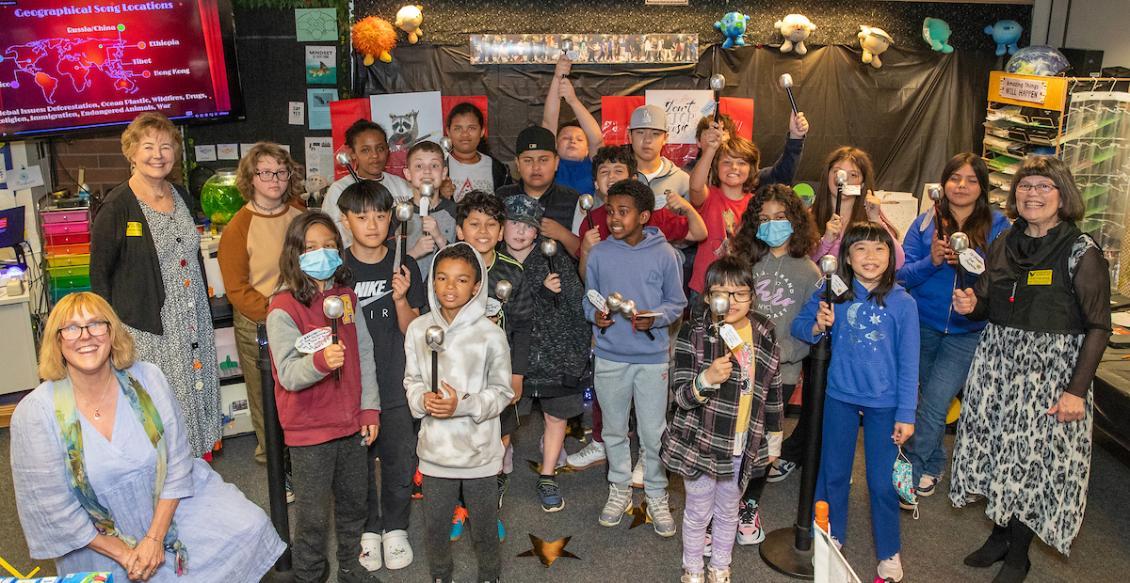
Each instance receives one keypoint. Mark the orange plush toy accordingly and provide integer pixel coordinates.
(374, 37)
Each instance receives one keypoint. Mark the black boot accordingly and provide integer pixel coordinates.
(1016, 563)
(992, 551)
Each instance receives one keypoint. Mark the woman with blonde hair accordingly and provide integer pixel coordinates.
(145, 260)
(103, 475)
(270, 181)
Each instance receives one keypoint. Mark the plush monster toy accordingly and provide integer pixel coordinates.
(1005, 33)
(732, 26)
(936, 32)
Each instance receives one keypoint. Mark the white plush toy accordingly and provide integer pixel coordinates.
(874, 42)
(796, 28)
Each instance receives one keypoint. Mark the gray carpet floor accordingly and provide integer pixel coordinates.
(933, 546)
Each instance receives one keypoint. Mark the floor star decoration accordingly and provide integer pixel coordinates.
(638, 514)
(548, 551)
(535, 467)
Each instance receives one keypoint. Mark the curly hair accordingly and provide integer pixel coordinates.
(245, 172)
(746, 244)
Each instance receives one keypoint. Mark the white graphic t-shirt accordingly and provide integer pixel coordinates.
(468, 177)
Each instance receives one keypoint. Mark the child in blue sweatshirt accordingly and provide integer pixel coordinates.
(873, 373)
(948, 338)
(632, 354)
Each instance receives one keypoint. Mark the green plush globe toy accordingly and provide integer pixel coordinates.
(220, 198)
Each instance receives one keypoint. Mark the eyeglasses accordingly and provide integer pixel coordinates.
(741, 297)
(1042, 188)
(266, 175)
(95, 329)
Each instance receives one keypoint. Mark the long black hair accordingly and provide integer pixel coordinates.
(867, 231)
(291, 276)
(980, 222)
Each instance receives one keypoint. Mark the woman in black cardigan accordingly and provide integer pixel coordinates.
(145, 260)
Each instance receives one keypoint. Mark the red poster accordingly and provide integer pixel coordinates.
(479, 101)
(740, 109)
(616, 112)
(342, 115)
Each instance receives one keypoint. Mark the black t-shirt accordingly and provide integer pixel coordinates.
(373, 286)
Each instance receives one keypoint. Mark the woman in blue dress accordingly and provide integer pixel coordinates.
(103, 475)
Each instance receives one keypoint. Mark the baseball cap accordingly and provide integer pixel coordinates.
(648, 117)
(535, 138)
(523, 208)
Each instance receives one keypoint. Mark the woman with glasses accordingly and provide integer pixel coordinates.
(250, 246)
(102, 471)
(145, 260)
(1024, 438)
(930, 275)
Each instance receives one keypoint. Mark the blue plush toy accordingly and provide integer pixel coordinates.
(732, 26)
(936, 32)
(1005, 33)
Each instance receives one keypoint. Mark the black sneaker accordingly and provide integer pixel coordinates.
(503, 485)
(550, 494)
(779, 471)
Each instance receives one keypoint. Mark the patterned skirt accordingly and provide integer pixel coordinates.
(1009, 450)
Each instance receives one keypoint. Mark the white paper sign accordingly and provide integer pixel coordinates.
(493, 307)
(1029, 90)
(319, 158)
(296, 113)
(313, 341)
(730, 336)
(853, 190)
(597, 301)
(244, 149)
(684, 108)
(228, 151)
(838, 285)
(23, 178)
(972, 262)
(206, 153)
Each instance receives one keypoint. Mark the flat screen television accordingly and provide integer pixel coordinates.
(69, 65)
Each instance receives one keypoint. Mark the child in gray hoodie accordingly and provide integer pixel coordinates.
(459, 445)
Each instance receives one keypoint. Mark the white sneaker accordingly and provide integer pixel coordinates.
(618, 501)
(890, 569)
(398, 553)
(591, 455)
(637, 473)
(370, 551)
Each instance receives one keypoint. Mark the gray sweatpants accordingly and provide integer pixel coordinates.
(619, 385)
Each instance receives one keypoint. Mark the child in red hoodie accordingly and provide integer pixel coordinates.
(325, 396)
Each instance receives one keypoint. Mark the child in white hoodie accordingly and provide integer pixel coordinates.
(459, 445)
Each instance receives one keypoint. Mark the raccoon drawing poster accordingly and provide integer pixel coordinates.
(408, 118)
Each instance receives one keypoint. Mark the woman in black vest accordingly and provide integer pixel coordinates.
(1024, 439)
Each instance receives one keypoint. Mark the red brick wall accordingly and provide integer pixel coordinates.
(100, 155)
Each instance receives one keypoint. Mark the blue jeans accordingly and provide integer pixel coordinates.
(942, 368)
(833, 485)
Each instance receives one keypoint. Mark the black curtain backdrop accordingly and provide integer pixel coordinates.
(911, 116)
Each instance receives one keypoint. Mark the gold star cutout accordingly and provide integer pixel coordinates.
(638, 514)
(536, 468)
(548, 551)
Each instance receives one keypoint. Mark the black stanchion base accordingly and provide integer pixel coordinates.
(779, 551)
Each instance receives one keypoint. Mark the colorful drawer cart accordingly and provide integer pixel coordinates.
(66, 237)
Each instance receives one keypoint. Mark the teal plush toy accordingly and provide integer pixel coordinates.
(936, 32)
(732, 26)
(1006, 33)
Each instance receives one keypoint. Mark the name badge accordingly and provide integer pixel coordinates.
(1040, 277)
(314, 340)
(133, 229)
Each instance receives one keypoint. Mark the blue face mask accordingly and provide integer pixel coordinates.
(775, 233)
(320, 264)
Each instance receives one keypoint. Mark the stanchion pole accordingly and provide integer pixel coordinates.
(789, 550)
(276, 473)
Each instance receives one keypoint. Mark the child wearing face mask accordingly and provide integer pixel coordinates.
(776, 236)
(328, 402)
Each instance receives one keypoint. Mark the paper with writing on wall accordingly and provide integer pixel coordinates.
(315, 24)
(22, 178)
(227, 151)
(684, 108)
(296, 113)
(205, 153)
(318, 103)
(321, 65)
(319, 158)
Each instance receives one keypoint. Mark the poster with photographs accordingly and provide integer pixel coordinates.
(509, 49)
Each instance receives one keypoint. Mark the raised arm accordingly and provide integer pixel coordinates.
(588, 123)
(700, 175)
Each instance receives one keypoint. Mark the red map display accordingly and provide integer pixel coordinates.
(95, 62)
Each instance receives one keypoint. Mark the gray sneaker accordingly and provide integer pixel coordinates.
(660, 514)
(619, 499)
